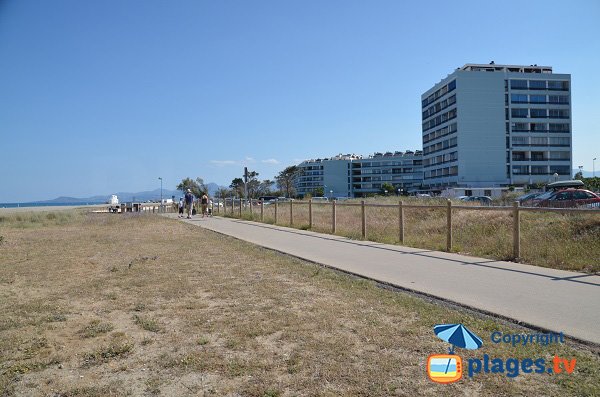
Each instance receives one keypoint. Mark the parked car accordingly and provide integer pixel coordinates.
(482, 200)
(568, 198)
(527, 199)
(320, 199)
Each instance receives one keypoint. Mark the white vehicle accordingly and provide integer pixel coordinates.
(320, 199)
(113, 204)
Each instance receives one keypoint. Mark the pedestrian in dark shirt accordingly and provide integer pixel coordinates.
(189, 203)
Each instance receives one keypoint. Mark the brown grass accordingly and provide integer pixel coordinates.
(111, 305)
(560, 241)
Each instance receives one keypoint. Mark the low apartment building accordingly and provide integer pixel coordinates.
(352, 175)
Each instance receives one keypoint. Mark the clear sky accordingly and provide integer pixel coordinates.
(104, 96)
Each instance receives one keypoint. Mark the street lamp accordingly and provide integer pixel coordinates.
(161, 199)
(555, 176)
(594, 167)
(331, 193)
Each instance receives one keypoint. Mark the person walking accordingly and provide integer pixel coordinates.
(189, 203)
(204, 202)
(180, 207)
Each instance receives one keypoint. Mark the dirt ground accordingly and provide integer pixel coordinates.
(140, 305)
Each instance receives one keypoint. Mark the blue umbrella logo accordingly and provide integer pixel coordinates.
(458, 335)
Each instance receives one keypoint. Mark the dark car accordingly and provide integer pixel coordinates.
(482, 200)
(568, 198)
(527, 199)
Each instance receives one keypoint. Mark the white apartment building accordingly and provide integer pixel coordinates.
(497, 125)
(352, 175)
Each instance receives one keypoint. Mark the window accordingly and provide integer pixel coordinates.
(519, 140)
(560, 169)
(520, 127)
(487, 192)
(518, 113)
(562, 196)
(560, 155)
(519, 156)
(539, 170)
(539, 141)
(537, 84)
(468, 193)
(559, 141)
(558, 85)
(518, 84)
(539, 113)
(538, 127)
(559, 127)
(581, 195)
(561, 99)
(559, 113)
(452, 85)
(518, 98)
(537, 156)
(520, 170)
(537, 98)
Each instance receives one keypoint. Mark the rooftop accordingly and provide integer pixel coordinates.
(492, 67)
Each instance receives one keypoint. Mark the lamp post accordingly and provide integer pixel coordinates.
(594, 167)
(555, 177)
(331, 193)
(161, 198)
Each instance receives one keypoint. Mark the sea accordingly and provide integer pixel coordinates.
(19, 205)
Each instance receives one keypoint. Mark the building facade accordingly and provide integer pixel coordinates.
(497, 125)
(357, 176)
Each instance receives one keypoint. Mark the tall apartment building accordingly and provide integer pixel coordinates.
(356, 176)
(497, 125)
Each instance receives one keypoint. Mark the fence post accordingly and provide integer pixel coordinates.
(262, 210)
(363, 219)
(275, 211)
(449, 227)
(516, 231)
(333, 225)
(401, 222)
(251, 213)
(310, 214)
(232, 208)
(240, 207)
(291, 213)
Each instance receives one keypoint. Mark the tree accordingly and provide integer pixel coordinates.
(196, 186)
(285, 179)
(253, 184)
(578, 175)
(223, 192)
(319, 191)
(264, 188)
(237, 185)
(387, 188)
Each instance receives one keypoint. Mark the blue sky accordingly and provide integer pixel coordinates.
(105, 96)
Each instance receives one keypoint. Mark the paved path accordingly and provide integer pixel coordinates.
(550, 299)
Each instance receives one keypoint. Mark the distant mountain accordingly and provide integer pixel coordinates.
(152, 195)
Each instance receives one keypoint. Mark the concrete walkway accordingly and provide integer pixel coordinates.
(550, 299)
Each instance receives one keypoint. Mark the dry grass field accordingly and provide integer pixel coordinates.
(140, 305)
(560, 241)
